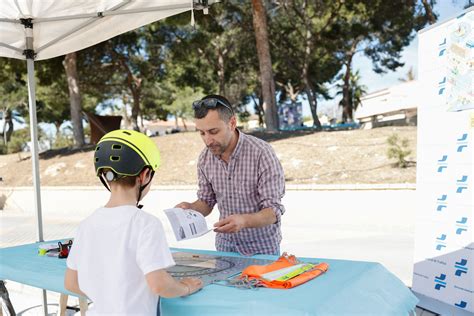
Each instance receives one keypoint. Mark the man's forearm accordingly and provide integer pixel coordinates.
(262, 218)
(201, 207)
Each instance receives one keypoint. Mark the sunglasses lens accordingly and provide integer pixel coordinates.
(196, 105)
(209, 104)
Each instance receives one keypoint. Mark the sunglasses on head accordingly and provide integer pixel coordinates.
(210, 103)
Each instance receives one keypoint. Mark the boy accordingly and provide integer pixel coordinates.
(120, 252)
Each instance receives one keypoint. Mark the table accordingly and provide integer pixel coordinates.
(348, 288)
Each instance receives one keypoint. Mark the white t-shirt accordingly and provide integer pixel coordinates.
(113, 250)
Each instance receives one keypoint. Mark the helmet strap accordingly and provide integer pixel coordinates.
(101, 177)
(142, 187)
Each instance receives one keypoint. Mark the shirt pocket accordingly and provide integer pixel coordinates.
(246, 188)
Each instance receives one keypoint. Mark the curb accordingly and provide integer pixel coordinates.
(191, 187)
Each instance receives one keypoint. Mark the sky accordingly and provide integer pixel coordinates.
(445, 9)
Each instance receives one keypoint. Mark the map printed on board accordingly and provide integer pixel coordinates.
(460, 64)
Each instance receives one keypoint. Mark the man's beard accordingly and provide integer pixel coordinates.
(216, 150)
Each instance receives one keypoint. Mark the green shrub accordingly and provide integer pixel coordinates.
(16, 144)
(18, 141)
(398, 149)
(62, 141)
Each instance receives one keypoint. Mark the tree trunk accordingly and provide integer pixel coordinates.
(429, 12)
(70, 65)
(310, 92)
(4, 134)
(313, 105)
(142, 124)
(346, 115)
(7, 121)
(126, 118)
(258, 110)
(58, 133)
(184, 124)
(265, 64)
(221, 72)
(57, 125)
(134, 84)
(135, 108)
(346, 101)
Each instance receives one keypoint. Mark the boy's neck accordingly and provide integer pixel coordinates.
(121, 196)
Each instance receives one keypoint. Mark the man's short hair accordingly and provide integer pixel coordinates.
(225, 112)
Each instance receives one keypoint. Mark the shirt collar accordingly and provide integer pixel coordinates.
(238, 147)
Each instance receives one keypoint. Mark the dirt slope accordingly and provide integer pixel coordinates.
(357, 156)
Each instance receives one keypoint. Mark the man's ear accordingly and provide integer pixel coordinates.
(233, 122)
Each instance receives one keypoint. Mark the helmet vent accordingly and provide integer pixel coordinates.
(115, 158)
(97, 148)
(125, 132)
(116, 147)
(96, 159)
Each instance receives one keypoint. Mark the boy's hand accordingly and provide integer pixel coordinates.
(184, 205)
(193, 284)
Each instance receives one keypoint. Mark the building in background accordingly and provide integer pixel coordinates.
(397, 105)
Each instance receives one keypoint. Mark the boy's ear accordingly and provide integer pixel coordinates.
(145, 175)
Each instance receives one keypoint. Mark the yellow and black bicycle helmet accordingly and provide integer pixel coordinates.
(125, 153)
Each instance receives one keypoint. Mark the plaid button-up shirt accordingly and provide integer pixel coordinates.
(252, 180)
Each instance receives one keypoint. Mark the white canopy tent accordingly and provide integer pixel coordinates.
(36, 30)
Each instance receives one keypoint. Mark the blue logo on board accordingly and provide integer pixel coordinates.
(461, 225)
(442, 163)
(441, 242)
(461, 184)
(461, 267)
(440, 282)
(442, 47)
(442, 86)
(461, 304)
(462, 143)
(442, 203)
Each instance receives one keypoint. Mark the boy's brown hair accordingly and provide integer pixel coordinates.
(125, 181)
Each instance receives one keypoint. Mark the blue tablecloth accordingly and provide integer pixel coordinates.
(348, 288)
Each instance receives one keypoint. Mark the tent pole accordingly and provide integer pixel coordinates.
(30, 65)
(34, 147)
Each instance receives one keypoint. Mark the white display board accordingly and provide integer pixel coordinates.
(444, 248)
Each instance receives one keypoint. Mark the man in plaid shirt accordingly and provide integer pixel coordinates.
(242, 174)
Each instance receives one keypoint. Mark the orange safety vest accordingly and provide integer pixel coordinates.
(254, 273)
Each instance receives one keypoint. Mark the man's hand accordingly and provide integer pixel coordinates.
(198, 205)
(184, 205)
(231, 224)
